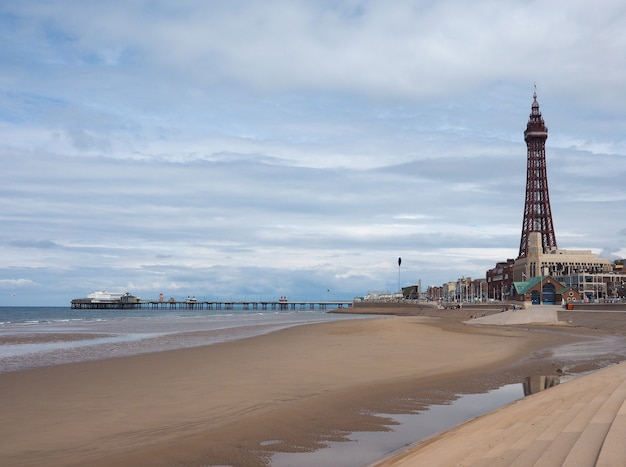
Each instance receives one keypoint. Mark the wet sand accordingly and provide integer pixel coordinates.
(48, 337)
(293, 390)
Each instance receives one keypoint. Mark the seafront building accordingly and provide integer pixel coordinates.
(500, 280)
(543, 290)
(552, 261)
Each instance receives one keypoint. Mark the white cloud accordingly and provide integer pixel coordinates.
(15, 283)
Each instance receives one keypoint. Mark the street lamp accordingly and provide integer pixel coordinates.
(399, 263)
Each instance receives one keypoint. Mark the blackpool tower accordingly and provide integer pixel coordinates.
(537, 213)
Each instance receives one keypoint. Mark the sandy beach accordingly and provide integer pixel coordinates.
(236, 403)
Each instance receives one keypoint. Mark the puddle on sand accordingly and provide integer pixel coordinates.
(365, 448)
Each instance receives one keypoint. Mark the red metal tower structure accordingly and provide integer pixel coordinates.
(537, 213)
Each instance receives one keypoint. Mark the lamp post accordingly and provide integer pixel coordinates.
(399, 263)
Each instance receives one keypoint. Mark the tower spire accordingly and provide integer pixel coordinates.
(537, 213)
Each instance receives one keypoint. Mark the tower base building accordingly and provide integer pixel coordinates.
(555, 262)
(582, 270)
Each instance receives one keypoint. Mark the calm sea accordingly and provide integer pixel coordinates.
(40, 336)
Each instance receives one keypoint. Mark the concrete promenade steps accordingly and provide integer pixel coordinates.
(577, 423)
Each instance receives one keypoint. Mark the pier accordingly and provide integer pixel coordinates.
(193, 304)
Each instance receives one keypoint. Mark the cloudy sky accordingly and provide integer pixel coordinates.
(253, 149)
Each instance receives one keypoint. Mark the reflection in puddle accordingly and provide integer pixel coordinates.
(535, 384)
(368, 447)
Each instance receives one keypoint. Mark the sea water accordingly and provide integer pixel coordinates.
(41, 336)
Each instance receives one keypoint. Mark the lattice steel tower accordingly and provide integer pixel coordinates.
(537, 213)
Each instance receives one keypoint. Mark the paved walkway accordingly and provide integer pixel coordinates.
(544, 314)
(578, 423)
